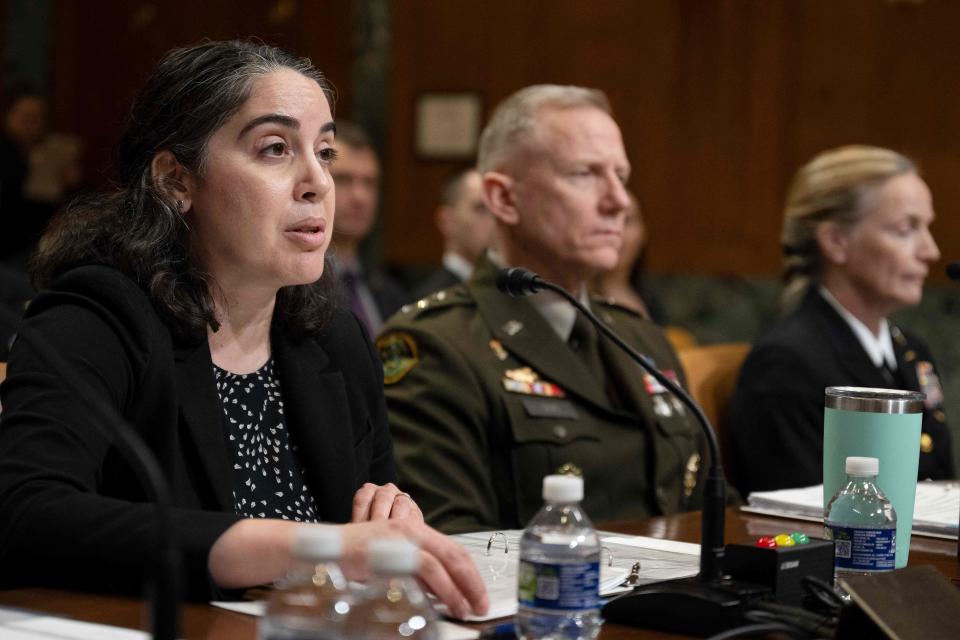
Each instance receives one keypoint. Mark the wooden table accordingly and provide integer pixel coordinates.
(205, 622)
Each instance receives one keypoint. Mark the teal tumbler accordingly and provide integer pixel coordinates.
(876, 423)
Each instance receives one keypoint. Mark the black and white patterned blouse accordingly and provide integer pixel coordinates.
(268, 479)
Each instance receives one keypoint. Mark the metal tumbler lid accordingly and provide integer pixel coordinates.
(870, 400)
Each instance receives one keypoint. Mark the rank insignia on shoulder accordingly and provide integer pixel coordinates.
(398, 352)
(498, 350)
(526, 381)
(929, 384)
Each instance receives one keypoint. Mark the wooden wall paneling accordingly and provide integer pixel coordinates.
(719, 103)
(103, 52)
(434, 47)
(878, 73)
(493, 48)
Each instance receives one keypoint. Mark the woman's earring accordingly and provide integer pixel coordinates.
(180, 215)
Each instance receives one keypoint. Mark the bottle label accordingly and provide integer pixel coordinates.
(571, 586)
(864, 549)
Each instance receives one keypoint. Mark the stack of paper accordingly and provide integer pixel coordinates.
(659, 560)
(936, 512)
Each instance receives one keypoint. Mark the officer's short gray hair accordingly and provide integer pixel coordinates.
(515, 119)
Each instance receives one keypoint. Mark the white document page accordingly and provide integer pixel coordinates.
(936, 511)
(42, 627)
(659, 560)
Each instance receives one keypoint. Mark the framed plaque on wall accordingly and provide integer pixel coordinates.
(447, 125)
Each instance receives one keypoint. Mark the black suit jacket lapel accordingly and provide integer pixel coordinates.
(626, 374)
(850, 353)
(317, 413)
(906, 366)
(201, 412)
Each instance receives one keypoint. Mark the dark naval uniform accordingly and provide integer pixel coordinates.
(485, 399)
(776, 438)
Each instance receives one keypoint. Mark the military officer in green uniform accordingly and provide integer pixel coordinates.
(487, 394)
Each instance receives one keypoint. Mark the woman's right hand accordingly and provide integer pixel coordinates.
(446, 568)
(257, 551)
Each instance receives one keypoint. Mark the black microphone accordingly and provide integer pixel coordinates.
(519, 282)
(163, 592)
(709, 601)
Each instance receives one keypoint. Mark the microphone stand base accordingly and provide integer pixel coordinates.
(687, 606)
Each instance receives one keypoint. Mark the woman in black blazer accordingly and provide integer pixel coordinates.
(857, 247)
(195, 303)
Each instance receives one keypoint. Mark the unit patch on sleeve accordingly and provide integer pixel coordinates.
(398, 352)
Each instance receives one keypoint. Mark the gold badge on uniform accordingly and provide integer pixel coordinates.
(525, 380)
(690, 474)
(399, 355)
(929, 384)
(570, 469)
(898, 336)
(926, 443)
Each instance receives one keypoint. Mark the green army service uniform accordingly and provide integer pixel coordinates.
(485, 399)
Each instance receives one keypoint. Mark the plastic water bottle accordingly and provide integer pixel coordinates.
(558, 584)
(312, 602)
(861, 522)
(392, 604)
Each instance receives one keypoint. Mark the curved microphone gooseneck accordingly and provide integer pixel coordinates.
(164, 592)
(521, 282)
(711, 601)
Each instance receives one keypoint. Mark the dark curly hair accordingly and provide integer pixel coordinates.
(139, 228)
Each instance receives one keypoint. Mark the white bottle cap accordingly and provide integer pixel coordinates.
(562, 488)
(395, 556)
(857, 466)
(317, 544)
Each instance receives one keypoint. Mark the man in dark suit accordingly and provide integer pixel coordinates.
(372, 295)
(487, 394)
(467, 228)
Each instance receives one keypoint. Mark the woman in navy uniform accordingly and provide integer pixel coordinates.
(857, 245)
